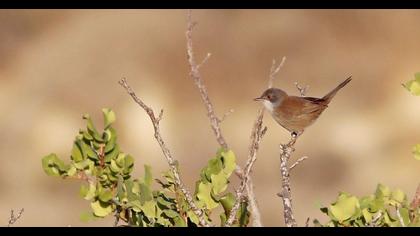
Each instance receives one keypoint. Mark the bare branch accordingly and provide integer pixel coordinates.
(298, 162)
(416, 200)
(302, 90)
(166, 152)
(117, 218)
(307, 222)
(214, 120)
(253, 205)
(285, 151)
(195, 75)
(274, 70)
(399, 216)
(256, 136)
(204, 60)
(375, 219)
(226, 115)
(13, 218)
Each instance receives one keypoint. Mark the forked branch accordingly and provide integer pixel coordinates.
(214, 120)
(172, 164)
(13, 218)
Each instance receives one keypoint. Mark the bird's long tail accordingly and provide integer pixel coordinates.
(331, 94)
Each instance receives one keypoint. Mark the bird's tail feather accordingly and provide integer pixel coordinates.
(331, 94)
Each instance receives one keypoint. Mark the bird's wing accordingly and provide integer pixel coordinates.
(307, 104)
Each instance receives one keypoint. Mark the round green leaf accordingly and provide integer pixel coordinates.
(345, 207)
(101, 209)
(203, 195)
(109, 117)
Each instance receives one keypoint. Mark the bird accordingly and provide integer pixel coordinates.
(296, 113)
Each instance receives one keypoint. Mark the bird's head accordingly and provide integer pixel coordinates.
(272, 98)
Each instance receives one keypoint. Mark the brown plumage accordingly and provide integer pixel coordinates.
(296, 113)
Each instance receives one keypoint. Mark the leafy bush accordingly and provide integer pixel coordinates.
(378, 209)
(98, 160)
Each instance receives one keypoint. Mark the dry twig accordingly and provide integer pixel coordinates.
(13, 218)
(214, 120)
(172, 164)
(256, 136)
(416, 200)
(285, 151)
(302, 90)
(298, 162)
(397, 208)
(375, 220)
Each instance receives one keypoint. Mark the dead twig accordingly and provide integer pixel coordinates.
(375, 219)
(307, 222)
(274, 70)
(397, 208)
(13, 218)
(214, 120)
(256, 136)
(285, 152)
(302, 90)
(298, 162)
(172, 164)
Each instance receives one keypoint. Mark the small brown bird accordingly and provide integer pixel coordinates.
(296, 113)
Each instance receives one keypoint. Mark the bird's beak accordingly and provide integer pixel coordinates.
(258, 99)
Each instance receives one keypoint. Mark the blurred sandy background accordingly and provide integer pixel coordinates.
(57, 65)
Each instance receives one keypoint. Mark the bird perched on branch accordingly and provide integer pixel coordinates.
(296, 113)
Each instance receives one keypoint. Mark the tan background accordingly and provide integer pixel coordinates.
(57, 65)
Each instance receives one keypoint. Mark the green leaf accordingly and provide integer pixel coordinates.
(227, 202)
(113, 154)
(82, 164)
(91, 128)
(72, 171)
(229, 162)
(88, 192)
(145, 193)
(109, 117)
(219, 183)
(101, 209)
(367, 215)
(179, 222)
(86, 216)
(413, 86)
(105, 195)
(416, 152)
(405, 215)
(345, 207)
(214, 167)
(398, 195)
(76, 152)
(87, 136)
(170, 213)
(203, 195)
(111, 139)
(382, 191)
(149, 209)
(114, 167)
(243, 214)
(87, 150)
(148, 179)
(53, 165)
(120, 188)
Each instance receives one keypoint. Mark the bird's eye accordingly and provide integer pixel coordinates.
(269, 97)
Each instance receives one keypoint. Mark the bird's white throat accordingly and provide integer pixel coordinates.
(268, 105)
